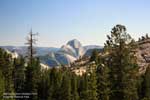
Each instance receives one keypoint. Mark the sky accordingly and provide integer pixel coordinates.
(58, 21)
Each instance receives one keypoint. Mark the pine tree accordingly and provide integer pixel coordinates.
(7, 70)
(66, 88)
(140, 85)
(31, 41)
(19, 74)
(120, 49)
(44, 85)
(94, 56)
(146, 83)
(2, 86)
(83, 87)
(103, 84)
(33, 74)
(147, 37)
(33, 69)
(102, 71)
(55, 84)
(92, 86)
(74, 88)
(2, 81)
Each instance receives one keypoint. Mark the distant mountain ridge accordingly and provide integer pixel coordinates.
(52, 57)
(22, 50)
(67, 54)
(73, 50)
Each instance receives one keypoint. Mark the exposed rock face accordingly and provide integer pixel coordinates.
(77, 46)
(67, 54)
(54, 57)
(143, 54)
(13, 54)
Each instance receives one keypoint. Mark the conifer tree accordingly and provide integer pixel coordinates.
(33, 75)
(55, 84)
(2, 82)
(94, 56)
(146, 87)
(83, 87)
(7, 70)
(33, 69)
(140, 85)
(31, 41)
(120, 49)
(74, 88)
(103, 84)
(66, 88)
(44, 85)
(92, 86)
(2, 86)
(19, 74)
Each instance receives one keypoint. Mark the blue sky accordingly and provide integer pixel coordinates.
(58, 21)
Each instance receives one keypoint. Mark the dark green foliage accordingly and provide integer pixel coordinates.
(88, 87)
(146, 84)
(94, 56)
(32, 79)
(44, 85)
(7, 70)
(19, 74)
(122, 63)
(103, 82)
(2, 86)
(55, 84)
(92, 86)
(66, 88)
(146, 98)
(74, 88)
(2, 82)
(83, 87)
(140, 88)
